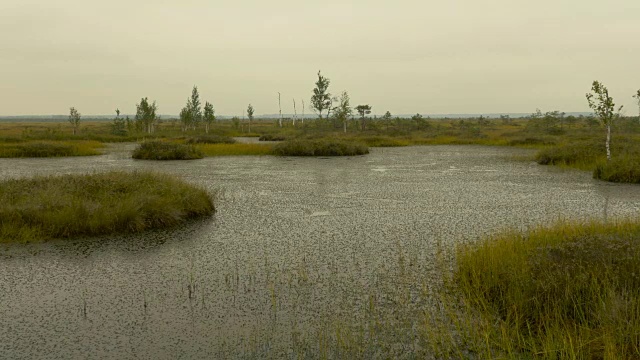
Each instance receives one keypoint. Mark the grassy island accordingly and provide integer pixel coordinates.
(67, 206)
(210, 139)
(162, 150)
(322, 147)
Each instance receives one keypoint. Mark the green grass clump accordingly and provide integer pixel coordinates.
(619, 169)
(235, 149)
(272, 137)
(85, 205)
(210, 139)
(160, 150)
(322, 147)
(30, 149)
(567, 292)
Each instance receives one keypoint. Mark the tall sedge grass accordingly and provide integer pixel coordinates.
(84, 205)
(25, 149)
(571, 291)
(235, 149)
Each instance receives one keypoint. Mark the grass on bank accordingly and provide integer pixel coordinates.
(567, 292)
(590, 154)
(161, 150)
(622, 169)
(30, 149)
(67, 206)
(322, 147)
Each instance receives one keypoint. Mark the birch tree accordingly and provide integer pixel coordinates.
(343, 111)
(74, 119)
(321, 99)
(209, 116)
(196, 110)
(604, 108)
(250, 112)
(146, 115)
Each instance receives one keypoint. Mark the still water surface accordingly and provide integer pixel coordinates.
(298, 248)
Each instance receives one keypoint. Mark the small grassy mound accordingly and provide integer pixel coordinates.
(211, 139)
(86, 205)
(321, 147)
(272, 137)
(620, 170)
(235, 149)
(49, 149)
(567, 292)
(161, 150)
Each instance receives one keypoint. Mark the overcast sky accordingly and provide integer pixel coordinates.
(405, 56)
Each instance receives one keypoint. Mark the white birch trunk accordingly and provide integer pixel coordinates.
(295, 112)
(280, 107)
(609, 142)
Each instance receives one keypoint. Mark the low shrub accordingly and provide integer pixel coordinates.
(619, 169)
(86, 205)
(324, 147)
(211, 139)
(161, 150)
